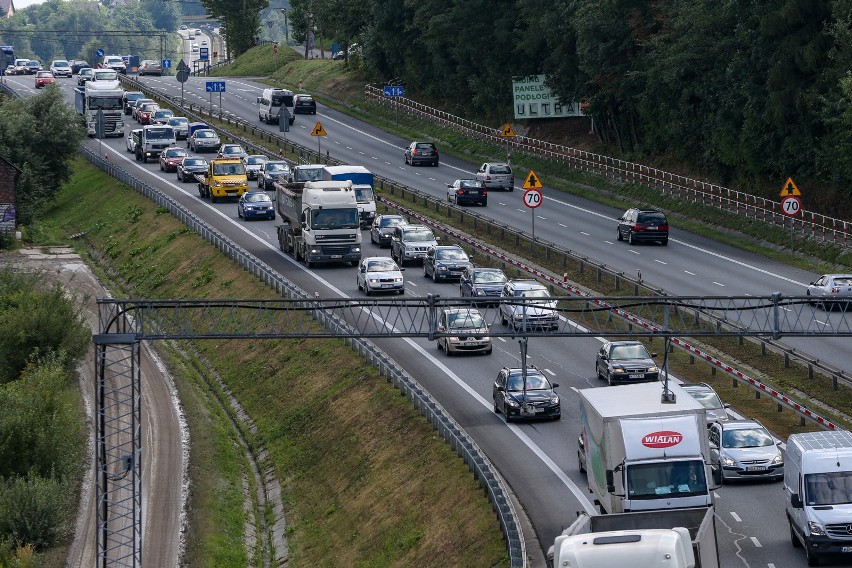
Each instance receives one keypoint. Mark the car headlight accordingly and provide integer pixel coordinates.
(652, 369)
(373, 280)
(554, 399)
(314, 251)
(217, 184)
(617, 369)
(480, 292)
(356, 249)
(728, 461)
(513, 403)
(777, 459)
(398, 279)
(442, 267)
(816, 529)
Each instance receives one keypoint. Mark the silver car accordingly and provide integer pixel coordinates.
(833, 290)
(379, 274)
(714, 408)
(253, 164)
(496, 175)
(204, 140)
(744, 449)
(532, 306)
(180, 124)
(471, 328)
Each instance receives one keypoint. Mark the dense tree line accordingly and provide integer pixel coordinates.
(743, 91)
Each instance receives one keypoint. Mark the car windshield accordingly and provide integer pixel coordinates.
(843, 280)
(831, 488)
(421, 236)
(106, 75)
(450, 254)
(60, 64)
(383, 265)
(624, 352)
(205, 134)
(651, 219)
(44, 74)
(228, 170)
(178, 121)
(465, 320)
(163, 113)
(195, 162)
(133, 96)
(534, 293)
(708, 399)
(428, 147)
(489, 277)
(535, 381)
(308, 174)
(106, 103)
(175, 153)
(335, 219)
(501, 170)
(363, 194)
(255, 160)
(746, 438)
(276, 167)
(257, 198)
(87, 71)
(160, 133)
(662, 480)
(391, 221)
(469, 183)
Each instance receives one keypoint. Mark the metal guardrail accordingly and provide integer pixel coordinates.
(809, 224)
(441, 421)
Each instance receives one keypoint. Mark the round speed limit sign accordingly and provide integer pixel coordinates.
(532, 198)
(791, 205)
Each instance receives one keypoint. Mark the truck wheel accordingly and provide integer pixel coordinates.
(144, 159)
(580, 463)
(811, 558)
(794, 540)
(630, 238)
(309, 264)
(213, 198)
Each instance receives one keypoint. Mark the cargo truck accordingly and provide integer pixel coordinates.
(151, 140)
(643, 454)
(320, 221)
(225, 177)
(363, 183)
(672, 538)
(304, 173)
(106, 96)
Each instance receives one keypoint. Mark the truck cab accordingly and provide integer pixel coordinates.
(114, 62)
(152, 140)
(225, 177)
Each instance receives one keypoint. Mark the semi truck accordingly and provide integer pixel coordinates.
(363, 182)
(320, 221)
(304, 173)
(641, 453)
(225, 177)
(106, 96)
(672, 538)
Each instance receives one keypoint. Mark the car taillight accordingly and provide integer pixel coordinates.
(484, 192)
(835, 290)
(414, 152)
(664, 227)
(639, 227)
(459, 191)
(487, 178)
(512, 180)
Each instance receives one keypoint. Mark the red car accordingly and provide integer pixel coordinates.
(171, 157)
(143, 115)
(43, 78)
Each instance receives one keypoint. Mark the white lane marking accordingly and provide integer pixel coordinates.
(770, 565)
(503, 339)
(609, 242)
(501, 204)
(660, 261)
(718, 284)
(633, 251)
(581, 232)
(410, 283)
(736, 517)
(690, 273)
(542, 218)
(716, 495)
(562, 225)
(548, 371)
(521, 210)
(756, 542)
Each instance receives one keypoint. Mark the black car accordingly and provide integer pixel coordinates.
(77, 64)
(421, 153)
(304, 104)
(270, 172)
(485, 283)
(470, 191)
(537, 400)
(189, 166)
(638, 225)
(626, 362)
(381, 230)
(129, 97)
(445, 262)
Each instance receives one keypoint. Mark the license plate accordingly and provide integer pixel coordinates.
(387, 285)
(530, 410)
(470, 344)
(639, 376)
(846, 549)
(756, 468)
(337, 256)
(652, 228)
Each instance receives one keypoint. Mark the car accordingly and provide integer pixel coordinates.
(744, 449)
(86, 74)
(20, 67)
(339, 55)
(150, 67)
(204, 140)
(77, 64)
(116, 63)
(496, 175)
(379, 274)
(194, 48)
(470, 191)
(60, 68)
(253, 163)
(136, 105)
(421, 153)
(171, 157)
(445, 262)
(255, 204)
(180, 124)
(410, 243)
(161, 116)
(130, 141)
(382, 228)
(129, 97)
(714, 409)
(482, 283)
(182, 27)
(517, 399)
(189, 166)
(270, 172)
(44, 78)
(832, 290)
(144, 112)
(203, 42)
(304, 104)
(529, 305)
(471, 329)
(33, 67)
(641, 225)
(232, 151)
(105, 75)
(626, 362)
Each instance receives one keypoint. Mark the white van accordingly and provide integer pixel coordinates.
(270, 102)
(818, 491)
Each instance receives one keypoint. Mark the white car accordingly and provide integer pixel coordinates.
(379, 274)
(130, 140)
(60, 68)
(831, 290)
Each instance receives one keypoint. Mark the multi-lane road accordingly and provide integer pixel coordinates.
(538, 460)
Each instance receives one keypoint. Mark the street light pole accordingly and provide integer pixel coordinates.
(308, 28)
(286, 27)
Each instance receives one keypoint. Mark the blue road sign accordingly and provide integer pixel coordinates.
(100, 53)
(215, 87)
(204, 53)
(394, 91)
(167, 63)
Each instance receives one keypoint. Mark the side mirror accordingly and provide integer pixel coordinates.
(363, 269)
(610, 481)
(437, 238)
(304, 226)
(726, 405)
(653, 354)
(501, 389)
(449, 185)
(713, 446)
(796, 501)
(258, 100)
(554, 385)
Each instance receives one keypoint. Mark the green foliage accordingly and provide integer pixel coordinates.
(33, 509)
(240, 21)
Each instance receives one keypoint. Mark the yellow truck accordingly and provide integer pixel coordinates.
(225, 177)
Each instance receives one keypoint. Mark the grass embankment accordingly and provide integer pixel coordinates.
(365, 480)
(342, 87)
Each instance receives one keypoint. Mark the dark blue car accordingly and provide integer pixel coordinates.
(255, 205)
(483, 283)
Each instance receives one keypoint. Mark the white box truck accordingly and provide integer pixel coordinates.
(363, 183)
(818, 491)
(642, 454)
(673, 538)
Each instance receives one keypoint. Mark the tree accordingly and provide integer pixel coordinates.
(240, 21)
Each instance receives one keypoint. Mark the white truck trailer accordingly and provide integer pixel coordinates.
(643, 454)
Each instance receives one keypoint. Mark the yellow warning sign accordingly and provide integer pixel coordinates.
(507, 131)
(532, 181)
(790, 189)
(318, 130)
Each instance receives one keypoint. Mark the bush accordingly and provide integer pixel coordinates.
(34, 510)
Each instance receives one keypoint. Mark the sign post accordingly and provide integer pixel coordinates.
(319, 132)
(393, 91)
(532, 196)
(506, 132)
(791, 204)
(215, 87)
(182, 75)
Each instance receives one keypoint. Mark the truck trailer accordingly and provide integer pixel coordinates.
(641, 453)
(105, 96)
(363, 182)
(320, 221)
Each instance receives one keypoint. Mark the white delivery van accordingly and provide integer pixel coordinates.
(818, 491)
(270, 103)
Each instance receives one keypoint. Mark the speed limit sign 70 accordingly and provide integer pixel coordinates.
(791, 206)
(532, 198)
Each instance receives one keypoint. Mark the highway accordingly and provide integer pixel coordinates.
(538, 460)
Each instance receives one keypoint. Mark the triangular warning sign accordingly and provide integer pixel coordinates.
(790, 189)
(532, 181)
(318, 130)
(507, 131)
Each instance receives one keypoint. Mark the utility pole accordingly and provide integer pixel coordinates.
(308, 28)
(286, 27)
